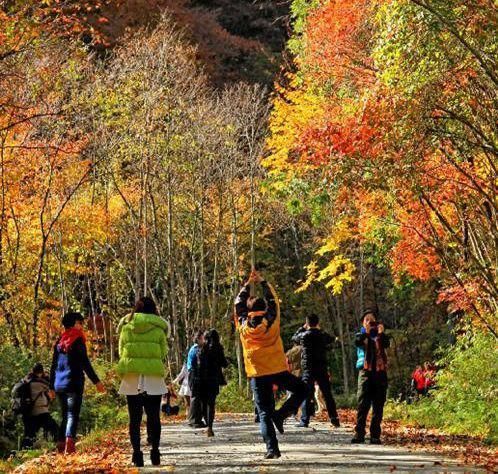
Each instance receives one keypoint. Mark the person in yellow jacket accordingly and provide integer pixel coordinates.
(258, 323)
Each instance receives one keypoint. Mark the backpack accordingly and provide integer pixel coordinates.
(20, 401)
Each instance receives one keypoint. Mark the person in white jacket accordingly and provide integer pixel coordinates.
(185, 392)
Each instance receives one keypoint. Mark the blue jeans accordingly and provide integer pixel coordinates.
(264, 399)
(71, 407)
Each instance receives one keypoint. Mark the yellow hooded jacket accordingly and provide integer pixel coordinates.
(262, 345)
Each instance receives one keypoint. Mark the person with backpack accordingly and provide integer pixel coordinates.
(258, 322)
(371, 343)
(70, 363)
(207, 375)
(315, 345)
(142, 353)
(31, 399)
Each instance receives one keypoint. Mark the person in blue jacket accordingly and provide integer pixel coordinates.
(195, 409)
(70, 363)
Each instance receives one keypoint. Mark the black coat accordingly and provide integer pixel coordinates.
(207, 374)
(315, 344)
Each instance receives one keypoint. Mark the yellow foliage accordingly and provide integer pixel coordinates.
(339, 269)
(293, 112)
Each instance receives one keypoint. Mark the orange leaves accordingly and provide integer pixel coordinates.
(336, 41)
(108, 454)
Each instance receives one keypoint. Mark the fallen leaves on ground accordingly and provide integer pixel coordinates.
(111, 452)
(464, 449)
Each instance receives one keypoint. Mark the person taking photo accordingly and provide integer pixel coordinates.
(371, 342)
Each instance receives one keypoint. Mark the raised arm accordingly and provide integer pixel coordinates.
(297, 337)
(327, 338)
(241, 303)
(359, 339)
(270, 297)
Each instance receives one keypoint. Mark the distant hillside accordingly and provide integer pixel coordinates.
(236, 39)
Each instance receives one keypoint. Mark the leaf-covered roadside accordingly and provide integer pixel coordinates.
(467, 450)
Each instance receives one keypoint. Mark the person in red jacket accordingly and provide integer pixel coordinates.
(418, 380)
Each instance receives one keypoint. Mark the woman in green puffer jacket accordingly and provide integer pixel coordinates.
(142, 352)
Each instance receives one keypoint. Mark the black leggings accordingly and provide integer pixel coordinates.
(208, 408)
(152, 406)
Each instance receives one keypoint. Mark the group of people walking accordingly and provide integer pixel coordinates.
(143, 336)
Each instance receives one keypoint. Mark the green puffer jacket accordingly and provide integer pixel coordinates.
(142, 344)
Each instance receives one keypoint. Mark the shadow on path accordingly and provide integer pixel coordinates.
(238, 447)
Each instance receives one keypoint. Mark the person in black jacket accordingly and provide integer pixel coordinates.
(208, 376)
(315, 344)
(371, 342)
(70, 363)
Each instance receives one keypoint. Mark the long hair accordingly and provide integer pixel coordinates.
(211, 341)
(146, 305)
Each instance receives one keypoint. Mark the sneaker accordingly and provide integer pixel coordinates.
(210, 432)
(70, 446)
(273, 454)
(375, 441)
(301, 425)
(278, 421)
(137, 459)
(335, 422)
(357, 440)
(155, 457)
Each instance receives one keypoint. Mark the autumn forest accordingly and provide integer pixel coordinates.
(348, 149)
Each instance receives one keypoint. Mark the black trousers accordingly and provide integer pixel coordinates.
(195, 411)
(208, 402)
(321, 377)
(372, 392)
(151, 404)
(32, 424)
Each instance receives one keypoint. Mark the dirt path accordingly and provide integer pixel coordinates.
(238, 447)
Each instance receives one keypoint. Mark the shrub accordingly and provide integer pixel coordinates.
(466, 398)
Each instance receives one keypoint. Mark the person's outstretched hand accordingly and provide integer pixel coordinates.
(51, 394)
(100, 387)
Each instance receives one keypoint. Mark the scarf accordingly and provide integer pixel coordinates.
(68, 337)
(375, 349)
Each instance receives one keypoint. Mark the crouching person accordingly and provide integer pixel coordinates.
(37, 414)
(371, 343)
(258, 322)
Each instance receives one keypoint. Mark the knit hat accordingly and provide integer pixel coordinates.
(370, 311)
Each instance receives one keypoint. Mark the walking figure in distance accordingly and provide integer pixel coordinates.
(142, 352)
(258, 323)
(315, 344)
(371, 343)
(70, 363)
(207, 375)
(195, 408)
